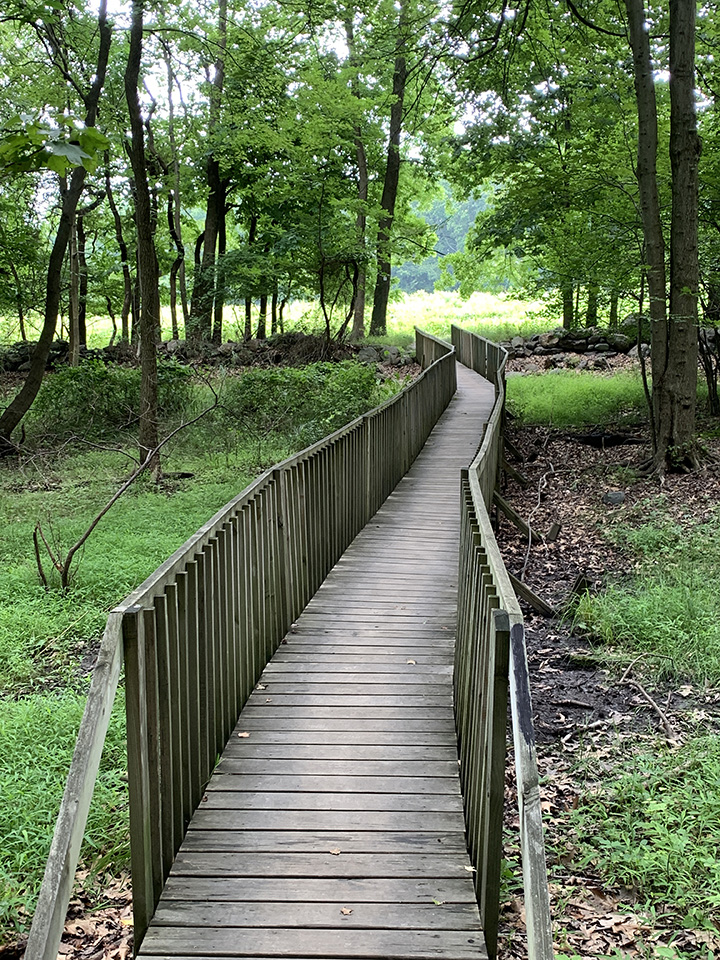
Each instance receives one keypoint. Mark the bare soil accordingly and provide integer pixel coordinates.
(581, 701)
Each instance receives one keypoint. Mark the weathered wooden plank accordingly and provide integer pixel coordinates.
(412, 726)
(216, 799)
(309, 915)
(359, 866)
(346, 712)
(269, 942)
(281, 889)
(288, 738)
(358, 685)
(227, 781)
(397, 754)
(414, 820)
(357, 841)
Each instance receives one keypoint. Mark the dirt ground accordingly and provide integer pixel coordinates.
(580, 704)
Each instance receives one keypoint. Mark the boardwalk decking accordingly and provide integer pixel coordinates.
(333, 824)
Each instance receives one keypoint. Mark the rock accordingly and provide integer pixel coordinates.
(619, 342)
(368, 354)
(629, 327)
(602, 347)
(634, 352)
(613, 498)
(517, 343)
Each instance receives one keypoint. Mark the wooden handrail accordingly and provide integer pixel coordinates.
(491, 661)
(198, 632)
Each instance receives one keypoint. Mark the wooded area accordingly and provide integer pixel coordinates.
(207, 155)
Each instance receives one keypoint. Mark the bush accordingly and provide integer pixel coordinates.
(304, 404)
(95, 400)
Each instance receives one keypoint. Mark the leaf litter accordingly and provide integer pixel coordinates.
(582, 707)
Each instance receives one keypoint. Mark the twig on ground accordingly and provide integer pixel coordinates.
(667, 727)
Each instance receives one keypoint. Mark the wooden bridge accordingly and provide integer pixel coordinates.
(356, 808)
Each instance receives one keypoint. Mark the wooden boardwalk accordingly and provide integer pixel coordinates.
(333, 825)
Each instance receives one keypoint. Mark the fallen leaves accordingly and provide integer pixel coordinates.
(335, 852)
(345, 911)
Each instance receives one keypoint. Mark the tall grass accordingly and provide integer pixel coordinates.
(567, 398)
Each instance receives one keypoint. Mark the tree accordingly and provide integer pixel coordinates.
(147, 255)
(673, 331)
(35, 146)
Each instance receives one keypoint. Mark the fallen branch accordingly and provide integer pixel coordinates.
(669, 732)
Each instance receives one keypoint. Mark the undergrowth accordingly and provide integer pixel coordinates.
(38, 738)
(670, 608)
(652, 826)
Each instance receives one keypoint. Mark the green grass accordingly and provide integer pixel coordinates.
(566, 398)
(38, 738)
(670, 609)
(44, 635)
(491, 316)
(652, 824)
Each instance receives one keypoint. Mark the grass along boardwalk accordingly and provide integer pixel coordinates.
(333, 825)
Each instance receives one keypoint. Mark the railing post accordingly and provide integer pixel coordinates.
(141, 826)
(489, 878)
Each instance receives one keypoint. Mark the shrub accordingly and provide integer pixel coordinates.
(95, 400)
(303, 403)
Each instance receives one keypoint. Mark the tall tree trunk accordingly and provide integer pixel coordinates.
(614, 309)
(262, 317)
(82, 280)
(675, 372)
(122, 246)
(217, 332)
(177, 271)
(21, 403)
(252, 231)
(647, 161)
(74, 298)
(147, 256)
(358, 326)
(591, 314)
(568, 311)
(378, 321)
(274, 310)
(204, 281)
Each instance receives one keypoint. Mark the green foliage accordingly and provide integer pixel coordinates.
(650, 823)
(30, 143)
(671, 608)
(304, 403)
(38, 738)
(570, 399)
(95, 400)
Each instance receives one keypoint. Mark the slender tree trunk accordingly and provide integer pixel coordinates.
(358, 326)
(19, 303)
(204, 281)
(21, 403)
(274, 310)
(252, 231)
(378, 322)
(613, 309)
(177, 271)
(591, 315)
(83, 281)
(568, 311)
(74, 298)
(262, 317)
(147, 256)
(217, 333)
(122, 246)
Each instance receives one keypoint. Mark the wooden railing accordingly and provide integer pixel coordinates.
(490, 656)
(199, 631)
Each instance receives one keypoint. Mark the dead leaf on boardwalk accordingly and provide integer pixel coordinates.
(261, 686)
(335, 852)
(244, 734)
(345, 911)
(470, 869)
(413, 662)
(268, 699)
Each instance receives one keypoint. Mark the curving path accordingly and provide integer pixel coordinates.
(333, 825)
